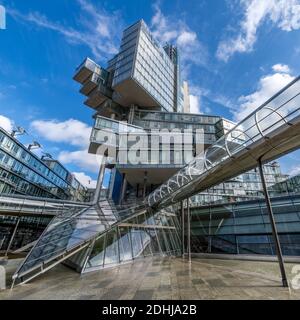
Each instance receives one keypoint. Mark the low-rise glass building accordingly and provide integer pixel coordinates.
(23, 172)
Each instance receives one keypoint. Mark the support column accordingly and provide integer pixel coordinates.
(144, 185)
(131, 113)
(12, 237)
(112, 182)
(189, 228)
(99, 182)
(273, 225)
(137, 190)
(124, 187)
(182, 227)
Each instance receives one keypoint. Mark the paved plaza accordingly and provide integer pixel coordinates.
(162, 278)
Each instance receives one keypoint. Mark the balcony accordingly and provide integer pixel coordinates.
(106, 133)
(103, 142)
(98, 95)
(90, 84)
(85, 70)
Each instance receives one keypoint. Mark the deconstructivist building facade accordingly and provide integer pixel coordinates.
(169, 170)
(139, 92)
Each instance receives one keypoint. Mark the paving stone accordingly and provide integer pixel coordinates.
(161, 278)
(143, 295)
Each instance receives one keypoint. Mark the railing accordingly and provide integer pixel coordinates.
(31, 205)
(104, 123)
(282, 110)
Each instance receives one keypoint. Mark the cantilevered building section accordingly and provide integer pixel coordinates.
(142, 73)
(105, 235)
(139, 91)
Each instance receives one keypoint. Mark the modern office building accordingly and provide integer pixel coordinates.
(162, 161)
(242, 188)
(26, 177)
(23, 172)
(141, 91)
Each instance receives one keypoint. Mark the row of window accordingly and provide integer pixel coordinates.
(25, 157)
(159, 52)
(54, 175)
(14, 165)
(11, 183)
(131, 29)
(166, 116)
(115, 126)
(155, 69)
(166, 99)
(17, 166)
(173, 125)
(126, 68)
(158, 59)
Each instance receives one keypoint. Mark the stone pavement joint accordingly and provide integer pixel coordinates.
(161, 278)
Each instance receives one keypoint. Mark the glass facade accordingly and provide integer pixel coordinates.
(154, 70)
(244, 187)
(102, 236)
(142, 59)
(249, 138)
(105, 234)
(244, 228)
(29, 229)
(22, 172)
(124, 61)
(138, 237)
(289, 186)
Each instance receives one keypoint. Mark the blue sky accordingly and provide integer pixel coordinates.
(235, 54)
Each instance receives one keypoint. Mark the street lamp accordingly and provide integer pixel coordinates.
(18, 131)
(46, 155)
(34, 145)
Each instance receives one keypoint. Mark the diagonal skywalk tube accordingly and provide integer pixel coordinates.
(271, 131)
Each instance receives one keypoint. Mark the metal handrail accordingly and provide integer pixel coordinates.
(232, 143)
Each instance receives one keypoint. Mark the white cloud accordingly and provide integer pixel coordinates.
(71, 131)
(169, 29)
(198, 105)
(295, 170)
(82, 159)
(284, 14)
(281, 68)
(196, 94)
(85, 180)
(186, 37)
(99, 30)
(268, 85)
(6, 123)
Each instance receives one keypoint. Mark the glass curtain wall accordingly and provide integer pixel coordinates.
(244, 228)
(137, 237)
